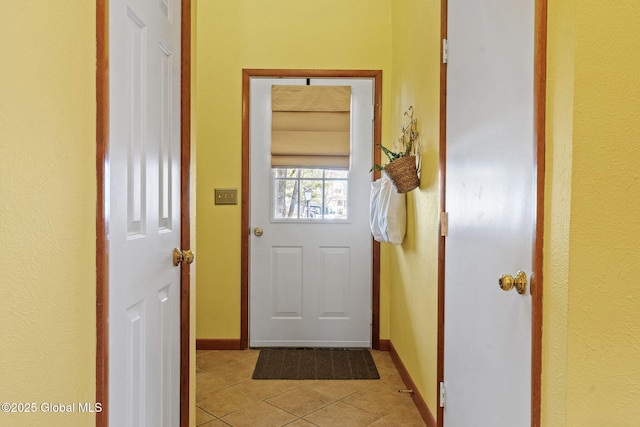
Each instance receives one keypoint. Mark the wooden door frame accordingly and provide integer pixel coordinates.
(102, 245)
(540, 71)
(247, 74)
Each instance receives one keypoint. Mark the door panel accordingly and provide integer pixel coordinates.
(335, 268)
(287, 282)
(143, 213)
(310, 279)
(489, 198)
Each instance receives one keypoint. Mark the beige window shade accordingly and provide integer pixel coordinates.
(310, 126)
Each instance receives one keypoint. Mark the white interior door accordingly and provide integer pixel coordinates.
(144, 212)
(310, 273)
(489, 199)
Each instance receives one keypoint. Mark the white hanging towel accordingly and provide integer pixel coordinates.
(388, 212)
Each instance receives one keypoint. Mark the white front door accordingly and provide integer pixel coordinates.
(310, 270)
(143, 212)
(489, 199)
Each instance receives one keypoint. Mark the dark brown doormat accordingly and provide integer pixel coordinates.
(315, 364)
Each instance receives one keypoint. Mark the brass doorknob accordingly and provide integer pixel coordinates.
(258, 231)
(508, 282)
(180, 256)
(187, 256)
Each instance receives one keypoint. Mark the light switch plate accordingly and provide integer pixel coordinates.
(226, 196)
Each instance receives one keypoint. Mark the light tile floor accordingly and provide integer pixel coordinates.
(227, 396)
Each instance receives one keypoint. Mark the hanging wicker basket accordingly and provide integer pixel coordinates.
(403, 173)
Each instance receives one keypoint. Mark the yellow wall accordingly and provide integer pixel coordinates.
(603, 377)
(47, 208)
(237, 34)
(592, 326)
(414, 265)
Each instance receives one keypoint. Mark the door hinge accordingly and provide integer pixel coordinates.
(445, 51)
(442, 394)
(444, 224)
(373, 112)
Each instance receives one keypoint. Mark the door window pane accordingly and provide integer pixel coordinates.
(310, 194)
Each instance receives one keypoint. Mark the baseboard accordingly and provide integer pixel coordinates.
(218, 344)
(384, 345)
(424, 410)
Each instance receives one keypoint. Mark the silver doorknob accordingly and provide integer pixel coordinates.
(508, 282)
(258, 231)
